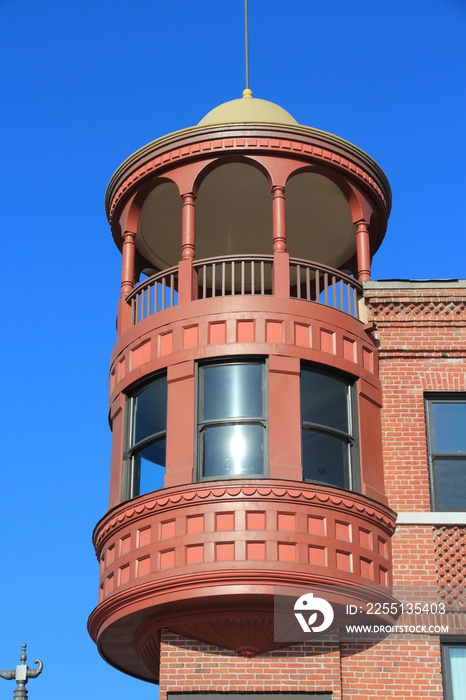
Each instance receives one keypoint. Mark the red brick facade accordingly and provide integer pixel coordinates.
(274, 278)
(421, 333)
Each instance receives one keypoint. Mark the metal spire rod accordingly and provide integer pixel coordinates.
(246, 43)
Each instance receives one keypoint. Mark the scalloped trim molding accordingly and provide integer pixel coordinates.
(140, 508)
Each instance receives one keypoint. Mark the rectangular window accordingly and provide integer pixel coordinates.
(454, 670)
(446, 442)
(328, 428)
(146, 439)
(231, 419)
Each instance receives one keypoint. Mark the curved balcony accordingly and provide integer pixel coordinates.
(206, 561)
(247, 275)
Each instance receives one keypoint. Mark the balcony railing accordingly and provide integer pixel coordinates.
(247, 275)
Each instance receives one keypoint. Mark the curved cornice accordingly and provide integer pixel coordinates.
(200, 142)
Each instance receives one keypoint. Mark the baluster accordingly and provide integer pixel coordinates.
(133, 312)
(262, 277)
(326, 288)
(308, 284)
(204, 282)
(172, 289)
(164, 287)
(298, 281)
(233, 291)
(342, 296)
(317, 274)
(253, 279)
(242, 276)
(223, 279)
(213, 279)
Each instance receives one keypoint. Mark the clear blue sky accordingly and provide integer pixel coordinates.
(83, 85)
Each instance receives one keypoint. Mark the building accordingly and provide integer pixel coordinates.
(269, 406)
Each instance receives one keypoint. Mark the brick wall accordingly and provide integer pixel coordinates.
(421, 328)
(188, 666)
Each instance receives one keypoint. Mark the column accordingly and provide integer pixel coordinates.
(363, 251)
(188, 246)
(281, 259)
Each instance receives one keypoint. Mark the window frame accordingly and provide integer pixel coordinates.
(246, 420)
(131, 463)
(447, 680)
(353, 475)
(432, 455)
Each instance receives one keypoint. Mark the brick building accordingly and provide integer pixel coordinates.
(282, 426)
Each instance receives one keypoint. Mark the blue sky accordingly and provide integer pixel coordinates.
(83, 85)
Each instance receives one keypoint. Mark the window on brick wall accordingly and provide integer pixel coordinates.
(329, 428)
(446, 441)
(454, 670)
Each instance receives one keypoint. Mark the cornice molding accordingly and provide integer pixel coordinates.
(419, 312)
(185, 146)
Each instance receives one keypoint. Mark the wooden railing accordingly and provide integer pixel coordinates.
(324, 285)
(247, 275)
(235, 274)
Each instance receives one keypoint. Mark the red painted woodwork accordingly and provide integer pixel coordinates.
(203, 560)
(200, 557)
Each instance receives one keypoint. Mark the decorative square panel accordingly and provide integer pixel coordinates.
(317, 555)
(167, 529)
(225, 551)
(195, 554)
(316, 525)
(286, 551)
(342, 531)
(255, 521)
(343, 561)
(167, 559)
(255, 550)
(143, 566)
(224, 521)
(286, 521)
(194, 523)
(143, 537)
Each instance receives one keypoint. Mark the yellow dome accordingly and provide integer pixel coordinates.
(248, 110)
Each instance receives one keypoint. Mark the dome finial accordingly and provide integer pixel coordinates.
(247, 93)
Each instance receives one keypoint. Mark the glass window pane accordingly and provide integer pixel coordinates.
(325, 459)
(449, 426)
(231, 450)
(324, 400)
(152, 467)
(458, 672)
(150, 410)
(450, 484)
(232, 391)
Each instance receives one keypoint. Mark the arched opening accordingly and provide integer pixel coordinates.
(318, 220)
(158, 238)
(233, 213)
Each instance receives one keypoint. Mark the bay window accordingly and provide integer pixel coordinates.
(145, 456)
(231, 419)
(328, 428)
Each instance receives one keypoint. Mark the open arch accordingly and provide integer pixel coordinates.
(158, 238)
(318, 219)
(234, 211)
